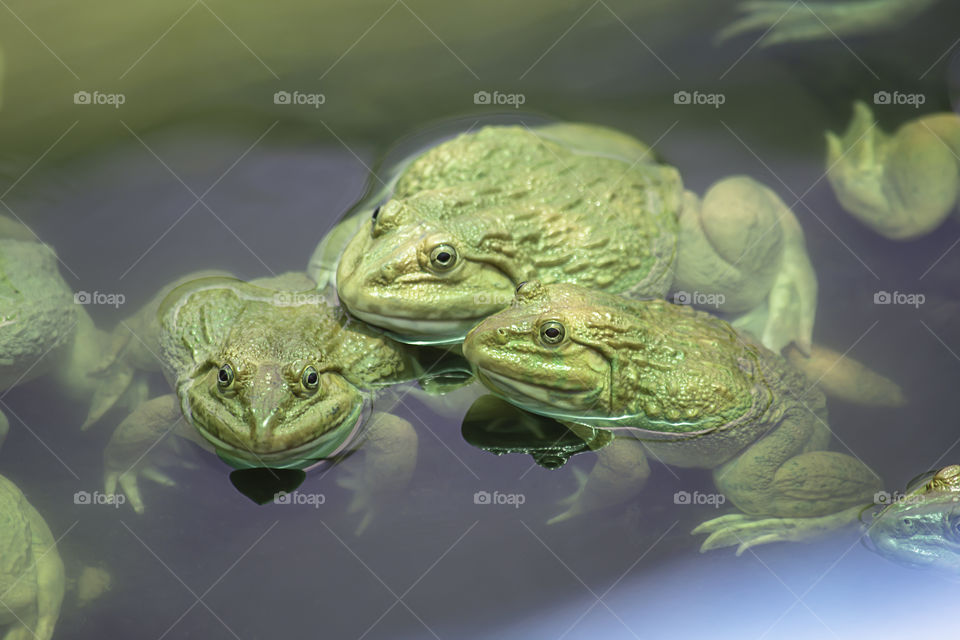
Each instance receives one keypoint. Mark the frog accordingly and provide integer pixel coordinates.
(466, 220)
(684, 387)
(45, 329)
(902, 185)
(267, 374)
(32, 581)
(921, 526)
(785, 21)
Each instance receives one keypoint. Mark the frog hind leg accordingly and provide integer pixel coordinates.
(51, 582)
(390, 457)
(903, 185)
(741, 250)
(619, 473)
(788, 487)
(840, 376)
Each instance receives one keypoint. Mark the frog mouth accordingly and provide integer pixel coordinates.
(418, 331)
(552, 398)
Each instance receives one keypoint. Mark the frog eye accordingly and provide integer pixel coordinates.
(443, 257)
(520, 286)
(552, 332)
(225, 376)
(310, 379)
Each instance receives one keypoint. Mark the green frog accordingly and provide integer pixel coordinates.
(465, 221)
(267, 374)
(32, 579)
(685, 387)
(902, 185)
(921, 527)
(45, 328)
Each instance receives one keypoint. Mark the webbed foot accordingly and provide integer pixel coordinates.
(129, 483)
(745, 531)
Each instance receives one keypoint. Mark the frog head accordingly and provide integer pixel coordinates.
(424, 277)
(545, 353)
(268, 392)
(921, 527)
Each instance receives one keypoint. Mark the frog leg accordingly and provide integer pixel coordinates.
(741, 251)
(788, 487)
(789, 21)
(50, 576)
(619, 473)
(902, 185)
(390, 457)
(126, 456)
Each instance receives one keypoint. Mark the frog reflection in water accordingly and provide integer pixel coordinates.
(921, 527)
(268, 375)
(685, 387)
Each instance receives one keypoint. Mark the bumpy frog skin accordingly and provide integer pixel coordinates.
(921, 527)
(31, 572)
(44, 331)
(472, 217)
(692, 389)
(903, 185)
(268, 375)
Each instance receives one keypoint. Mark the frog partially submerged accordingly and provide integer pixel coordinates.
(685, 387)
(31, 573)
(268, 375)
(44, 330)
(921, 527)
(470, 218)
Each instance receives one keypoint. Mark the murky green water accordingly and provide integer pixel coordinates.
(214, 173)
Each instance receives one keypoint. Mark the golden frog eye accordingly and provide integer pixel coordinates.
(225, 376)
(552, 332)
(443, 257)
(310, 379)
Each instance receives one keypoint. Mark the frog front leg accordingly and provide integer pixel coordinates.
(789, 488)
(902, 185)
(389, 452)
(741, 250)
(619, 473)
(127, 456)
